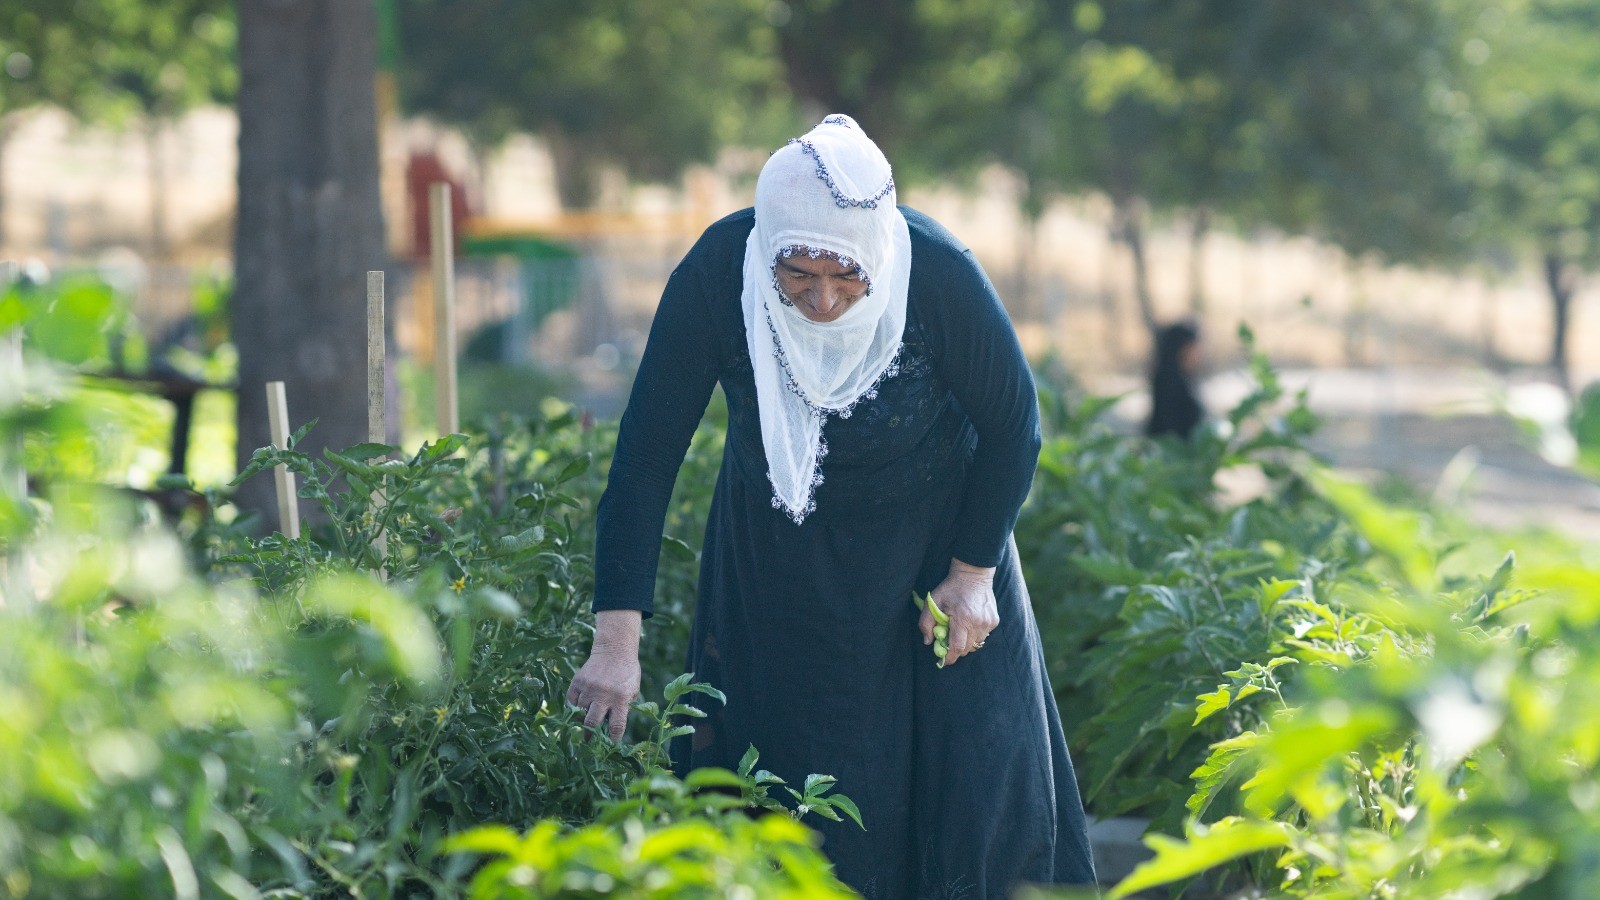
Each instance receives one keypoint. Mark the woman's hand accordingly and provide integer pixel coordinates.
(606, 685)
(967, 596)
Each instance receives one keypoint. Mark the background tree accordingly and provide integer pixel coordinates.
(310, 224)
(117, 62)
(23, 48)
(1305, 117)
(650, 87)
(1538, 102)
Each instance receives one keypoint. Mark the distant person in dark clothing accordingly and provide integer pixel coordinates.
(1174, 408)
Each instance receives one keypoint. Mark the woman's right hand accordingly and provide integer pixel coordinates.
(608, 682)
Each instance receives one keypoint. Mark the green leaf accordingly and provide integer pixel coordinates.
(574, 468)
(850, 809)
(1111, 570)
(826, 811)
(368, 451)
(1204, 848)
(1225, 764)
(1270, 592)
(812, 781)
(174, 481)
(358, 469)
(437, 450)
(488, 839)
(748, 761)
(711, 777)
(677, 549)
(1501, 577)
(1213, 702)
(300, 435)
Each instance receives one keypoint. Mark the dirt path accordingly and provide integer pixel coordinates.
(1451, 433)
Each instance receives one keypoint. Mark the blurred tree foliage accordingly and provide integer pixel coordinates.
(1537, 103)
(1413, 130)
(117, 61)
(22, 41)
(652, 87)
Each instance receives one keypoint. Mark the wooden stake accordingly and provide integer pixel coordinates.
(377, 423)
(446, 400)
(278, 420)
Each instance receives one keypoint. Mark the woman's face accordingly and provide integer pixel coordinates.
(822, 289)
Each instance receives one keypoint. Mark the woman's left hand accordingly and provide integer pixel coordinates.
(967, 596)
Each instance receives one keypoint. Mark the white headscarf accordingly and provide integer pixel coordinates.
(832, 193)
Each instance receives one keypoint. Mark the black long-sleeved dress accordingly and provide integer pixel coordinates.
(962, 774)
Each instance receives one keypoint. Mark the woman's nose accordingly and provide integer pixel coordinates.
(829, 298)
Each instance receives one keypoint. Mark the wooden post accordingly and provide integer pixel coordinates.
(446, 408)
(278, 415)
(377, 423)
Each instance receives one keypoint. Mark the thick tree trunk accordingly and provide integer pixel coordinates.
(1562, 281)
(310, 219)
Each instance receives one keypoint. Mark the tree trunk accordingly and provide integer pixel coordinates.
(1028, 305)
(1562, 281)
(310, 221)
(577, 174)
(1108, 300)
(1199, 228)
(1130, 230)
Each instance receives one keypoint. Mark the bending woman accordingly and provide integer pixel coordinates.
(882, 433)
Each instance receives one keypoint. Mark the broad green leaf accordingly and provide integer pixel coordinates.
(748, 761)
(850, 809)
(1210, 703)
(1270, 592)
(1205, 848)
(437, 450)
(1228, 760)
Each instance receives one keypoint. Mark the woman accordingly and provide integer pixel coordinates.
(882, 433)
(1174, 408)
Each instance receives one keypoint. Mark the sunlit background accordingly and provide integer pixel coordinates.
(1400, 198)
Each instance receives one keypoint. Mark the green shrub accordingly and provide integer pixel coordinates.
(1448, 750)
(1149, 587)
(312, 717)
